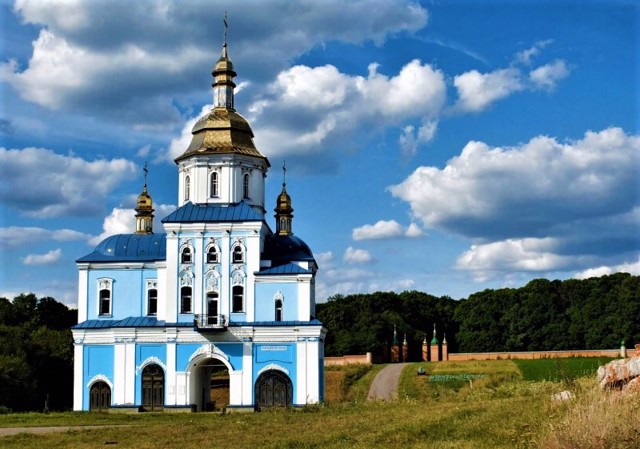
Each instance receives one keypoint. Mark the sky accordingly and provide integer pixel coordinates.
(441, 146)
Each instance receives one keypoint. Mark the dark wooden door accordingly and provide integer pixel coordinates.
(273, 389)
(100, 396)
(152, 388)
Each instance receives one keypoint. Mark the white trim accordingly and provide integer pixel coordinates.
(273, 366)
(209, 350)
(149, 361)
(98, 378)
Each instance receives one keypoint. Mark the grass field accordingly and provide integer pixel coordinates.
(498, 410)
(560, 369)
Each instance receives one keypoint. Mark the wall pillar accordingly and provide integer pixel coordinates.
(425, 350)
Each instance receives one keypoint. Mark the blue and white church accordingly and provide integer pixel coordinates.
(218, 310)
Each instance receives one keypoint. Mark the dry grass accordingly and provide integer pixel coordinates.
(595, 420)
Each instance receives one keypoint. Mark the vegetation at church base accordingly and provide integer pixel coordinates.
(36, 354)
(349, 383)
(595, 313)
(500, 410)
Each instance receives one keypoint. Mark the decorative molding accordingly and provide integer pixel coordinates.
(209, 349)
(98, 378)
(278, 296)
(273, 366)
(149, 361)
(152, 283)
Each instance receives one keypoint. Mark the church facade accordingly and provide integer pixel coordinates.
(217, 311)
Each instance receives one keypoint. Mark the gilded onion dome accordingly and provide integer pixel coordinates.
(222, 130)
(144, 209)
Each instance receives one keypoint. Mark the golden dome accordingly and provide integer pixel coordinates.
(222, 130)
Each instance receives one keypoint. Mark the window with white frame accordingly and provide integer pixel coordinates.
(238, 254)
(105, 296)
(214, 185)
(186, 256)
(152, 297)
(245, 186)
(212, 254)
(185, 299)
(237, 299)
(187, 187)
(278, 302)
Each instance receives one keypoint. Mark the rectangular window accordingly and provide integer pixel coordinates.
(185, 300)
(237, 299)
(105, 302)
(152, 301)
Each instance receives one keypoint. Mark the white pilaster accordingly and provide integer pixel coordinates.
(119, 374)
(78, 378)
(313, 374)
(83, 289)
(171, 282)
(130, 373)
(247, 370)
(301, 366)
(171, 398)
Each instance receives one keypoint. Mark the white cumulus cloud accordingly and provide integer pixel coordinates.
(476, 91)
(58, 185)
(384, 230)
(547, 76)
(542, 205)
(48, 258)
(123, 221)
(632, 268)
(353, 255)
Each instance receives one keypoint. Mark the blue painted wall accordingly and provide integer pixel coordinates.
(265, 303)
(283, 354)
(128, 292)
(97, 360)
(143, 352)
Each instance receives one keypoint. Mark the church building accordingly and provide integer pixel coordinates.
(215, 312)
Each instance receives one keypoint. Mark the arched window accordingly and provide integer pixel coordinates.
(212, 255)
(278, 304)
(213, 185)
(186, 255)
(245, 186)
(187, 187)
(152, 301)
(237, 299)
(238, 254)
(99, 396)
(185, 299)
(105, 302)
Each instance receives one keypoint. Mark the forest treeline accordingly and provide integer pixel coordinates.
(593, 313)
(36, 346)
(36, 354)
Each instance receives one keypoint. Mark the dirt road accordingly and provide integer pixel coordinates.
(385, 386)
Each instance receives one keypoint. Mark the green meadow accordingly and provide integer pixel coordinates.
(476, 404)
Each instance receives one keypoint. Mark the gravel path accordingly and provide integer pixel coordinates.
(385, 385)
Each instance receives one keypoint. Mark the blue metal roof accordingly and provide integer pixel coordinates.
(129, 248)
(289, 268)
(211, 213)
(132, 321)
(313, 322)
(146, 321)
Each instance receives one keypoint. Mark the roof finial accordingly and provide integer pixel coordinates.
(225, 28)
(284, 173)
(145, 175)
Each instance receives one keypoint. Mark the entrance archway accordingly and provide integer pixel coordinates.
(152, 388)
(273, 389)
(99, 396)
(209, 384)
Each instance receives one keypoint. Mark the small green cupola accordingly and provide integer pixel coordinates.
(434, 340)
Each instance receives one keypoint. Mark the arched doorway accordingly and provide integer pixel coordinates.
(99, 396)
(209, 384)
(152, 388)
(273, 389)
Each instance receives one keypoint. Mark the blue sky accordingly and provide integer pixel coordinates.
(442, 146)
